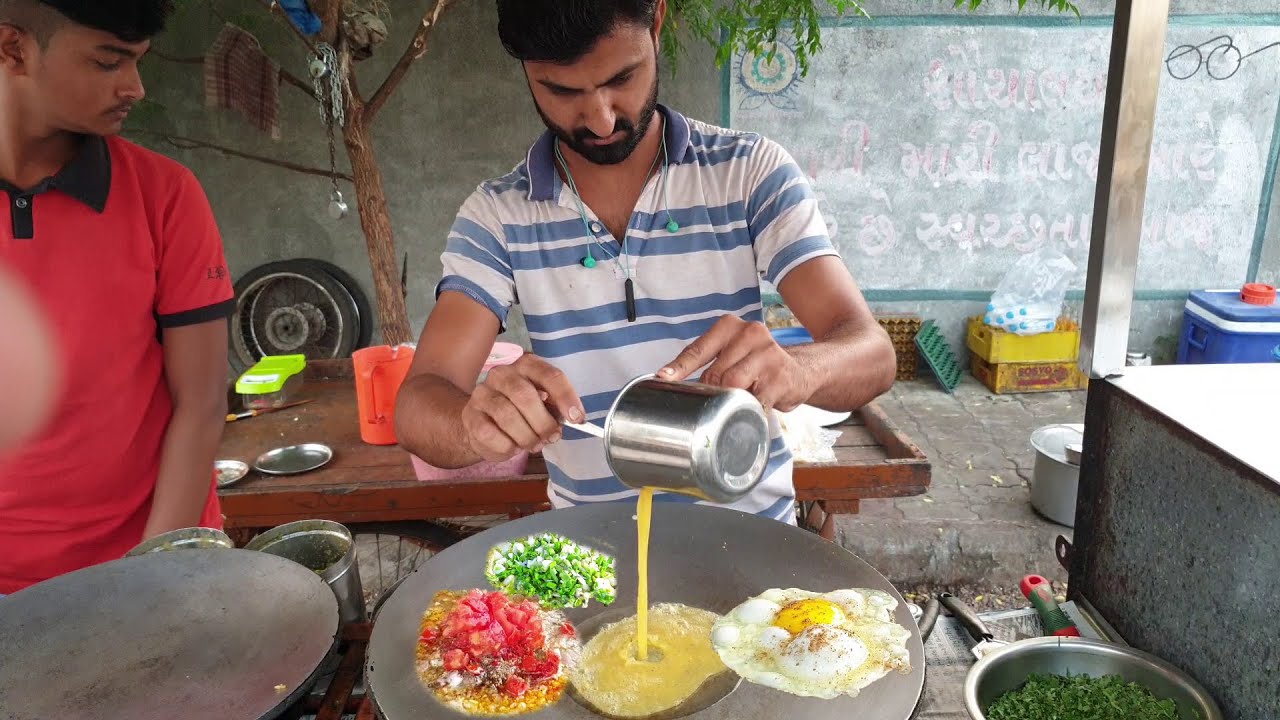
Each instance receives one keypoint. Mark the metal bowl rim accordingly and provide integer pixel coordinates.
(1089, 646)
(240, 467)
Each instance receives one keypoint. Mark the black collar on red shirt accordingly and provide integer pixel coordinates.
(86, 178)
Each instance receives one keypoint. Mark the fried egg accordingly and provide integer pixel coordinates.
(813, 644)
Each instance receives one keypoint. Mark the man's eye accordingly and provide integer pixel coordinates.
(107, 66)
(619, 81)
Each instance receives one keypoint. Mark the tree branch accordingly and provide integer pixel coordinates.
(330, 18)
(186, 143)
(417, 48)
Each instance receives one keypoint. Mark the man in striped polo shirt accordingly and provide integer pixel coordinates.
(634, 240)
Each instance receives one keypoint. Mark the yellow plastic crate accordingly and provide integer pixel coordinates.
(1027, 377)
(998, 347)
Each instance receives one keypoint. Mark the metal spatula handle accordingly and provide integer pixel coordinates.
(588, 428)
(966, 616)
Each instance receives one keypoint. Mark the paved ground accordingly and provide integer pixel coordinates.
(975, 533)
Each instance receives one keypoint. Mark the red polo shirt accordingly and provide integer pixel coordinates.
(117, 246)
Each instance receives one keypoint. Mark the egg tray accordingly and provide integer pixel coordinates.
(902, 329)
(938, 356)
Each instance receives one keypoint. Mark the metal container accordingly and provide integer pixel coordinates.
(685, 437)
(1009, 667)
(1056, 478)
(327, 549)
(184, 539)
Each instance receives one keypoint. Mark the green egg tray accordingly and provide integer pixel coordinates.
(937, 354)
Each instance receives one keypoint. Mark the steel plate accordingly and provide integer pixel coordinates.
(293, 459)
(707, 557)
(193, 634)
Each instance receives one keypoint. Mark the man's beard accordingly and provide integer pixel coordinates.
(612, 153)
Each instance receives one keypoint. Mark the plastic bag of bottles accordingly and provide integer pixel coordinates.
(1030, 296)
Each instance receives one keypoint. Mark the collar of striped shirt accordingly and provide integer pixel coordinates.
(541, 159)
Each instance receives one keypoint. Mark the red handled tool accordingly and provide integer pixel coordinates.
(1040, 593)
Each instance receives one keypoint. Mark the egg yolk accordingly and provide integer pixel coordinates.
(802, 614)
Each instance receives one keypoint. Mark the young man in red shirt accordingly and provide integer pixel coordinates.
(119, 247)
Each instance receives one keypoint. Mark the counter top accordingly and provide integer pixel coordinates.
(1234, 407)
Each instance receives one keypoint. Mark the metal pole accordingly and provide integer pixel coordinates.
(1128, 122)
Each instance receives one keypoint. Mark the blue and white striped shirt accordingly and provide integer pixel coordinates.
(745, 211)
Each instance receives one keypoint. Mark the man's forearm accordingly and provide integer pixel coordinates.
(186, 469)
(848, 368)
(429, 422)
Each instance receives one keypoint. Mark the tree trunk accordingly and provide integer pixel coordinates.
(375, 220)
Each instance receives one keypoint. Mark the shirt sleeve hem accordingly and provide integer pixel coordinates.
(195, 316)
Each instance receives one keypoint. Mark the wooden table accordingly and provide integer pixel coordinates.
(366, 483)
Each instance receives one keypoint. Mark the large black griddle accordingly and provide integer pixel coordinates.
(200, 634)
(707, 557)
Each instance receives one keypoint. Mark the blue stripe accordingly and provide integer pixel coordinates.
(513, 182)
(645, 307)
(778, 509)
(768, 188)
(795, 250)
(546, 231)
(481, 240)
(591, 486)
(561, 257)
(724, 155)
(457, 283)
(786, 200)
(929, 294)
(633, 334)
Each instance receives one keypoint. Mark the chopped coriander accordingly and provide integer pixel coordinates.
(1081, 697)
(556, 571)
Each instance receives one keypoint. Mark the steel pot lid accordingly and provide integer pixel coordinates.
(704, 556)
(1052, 440)
(194, 634)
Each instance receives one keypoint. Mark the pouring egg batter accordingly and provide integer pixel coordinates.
(651, 662)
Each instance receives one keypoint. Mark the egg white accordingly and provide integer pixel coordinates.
(862, 644)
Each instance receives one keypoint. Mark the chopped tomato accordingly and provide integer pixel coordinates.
(515, 686)
(455, 660)
(567, 630)
(541, 664)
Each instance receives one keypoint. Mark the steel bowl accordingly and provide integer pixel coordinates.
(1009, 667)
(325, 548)
(184, 539)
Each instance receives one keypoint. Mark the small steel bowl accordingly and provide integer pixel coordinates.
(230, 472)
(293, 459)
(192, 538)
(1009, 667)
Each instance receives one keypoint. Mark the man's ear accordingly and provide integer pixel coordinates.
(659, 17)
(15, 49)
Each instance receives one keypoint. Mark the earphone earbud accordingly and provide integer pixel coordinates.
(672, 225)
(588, 261)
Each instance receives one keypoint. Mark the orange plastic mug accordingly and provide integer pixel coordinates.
(379, 372)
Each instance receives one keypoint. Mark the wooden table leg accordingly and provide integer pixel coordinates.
(335, 703)
(822, 516)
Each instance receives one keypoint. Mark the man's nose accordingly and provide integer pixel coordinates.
(131, 88)
(601, 118)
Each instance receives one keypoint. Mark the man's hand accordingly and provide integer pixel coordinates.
(743, 355)
(512, 409)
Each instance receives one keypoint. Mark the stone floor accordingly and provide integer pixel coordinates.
(975, 531)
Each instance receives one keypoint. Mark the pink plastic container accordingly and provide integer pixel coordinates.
(502, 354)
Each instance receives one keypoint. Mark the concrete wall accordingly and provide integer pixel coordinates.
(463, 115)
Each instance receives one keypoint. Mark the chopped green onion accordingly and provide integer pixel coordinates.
(557, 571)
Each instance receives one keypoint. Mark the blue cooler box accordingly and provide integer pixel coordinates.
(1218, 327)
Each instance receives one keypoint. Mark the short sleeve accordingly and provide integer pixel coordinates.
(194, 285)
(786, 227)
(476, 262)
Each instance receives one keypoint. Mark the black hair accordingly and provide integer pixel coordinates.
(129, 20)
(562, 31)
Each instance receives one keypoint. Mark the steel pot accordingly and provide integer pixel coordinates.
(1055, 481)
(1009, 667)
(327, 549)
(686, 437)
